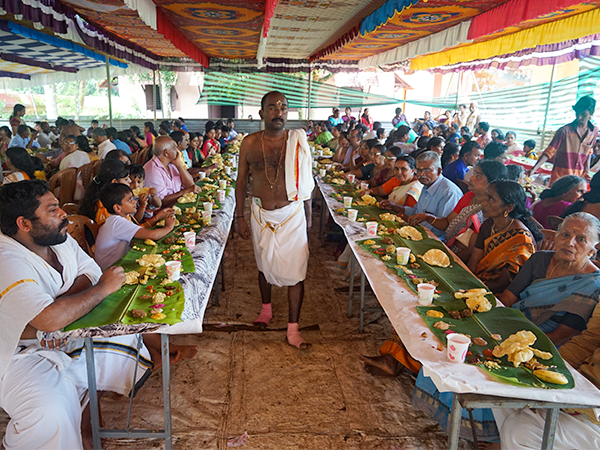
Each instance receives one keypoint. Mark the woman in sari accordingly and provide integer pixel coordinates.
(21, 165)
(559, 290)
(506, 239)
(463, 223)
(553, 201)
(402, 190)
(343, 147)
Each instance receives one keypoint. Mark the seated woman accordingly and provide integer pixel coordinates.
(463, 224)
(564, 192)
(450, 153)
(402, 190)
(378, 171)
(211, 145)
(74, 156)
(590, 201)
(19, 162)
(558, 290)
(343, 147)
(506, 239)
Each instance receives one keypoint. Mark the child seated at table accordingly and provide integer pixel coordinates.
(147, 198)
(117, 232)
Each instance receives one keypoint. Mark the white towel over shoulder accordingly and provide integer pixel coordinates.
(299, 182)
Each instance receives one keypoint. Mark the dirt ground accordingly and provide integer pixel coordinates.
(247, 380)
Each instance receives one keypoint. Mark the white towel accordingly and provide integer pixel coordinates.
(299, 182)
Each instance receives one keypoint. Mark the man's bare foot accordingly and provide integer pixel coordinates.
(176, 354)
(385, 363)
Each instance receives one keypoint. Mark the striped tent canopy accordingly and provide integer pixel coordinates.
(248, 89)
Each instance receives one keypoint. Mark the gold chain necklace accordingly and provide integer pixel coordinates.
(556, 265)
(278, 160)
(503, 228)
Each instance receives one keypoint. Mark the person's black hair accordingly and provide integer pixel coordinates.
(380, 148)
(230, 120)
(225, 128)
(339, 127)
(150, 127)
(360, 134)
(562, 186)
(113, 194)
(402, 131)
(593, 195)
(177, 123)
(468, 148)
(136, 170)
(117, 153)
(585, 103)
(530, 143)
(72, 122)
(463, 105)
(492, 169)
(398, 110)
(112, 132)
(22, 128)
(18, 107)
(455, 127)
(109, 170)
(513, 171)
(83, 143)
(326, 124)
(380, 132)
(38, 165)
(493, 150)
(219, 124)
(60, 121)
(20, 199)
(210, 125)
(7, 131)
(499, 133)
(177, 136)
(181, 119)
(376, 125)
(165, 127)
(135, 130)
(396, 151)
(422, 142)
(510, 132)
(99, 132)
(264, 99)
(512, 193)
(467, 137)
(364, 128)
(450, 149)
(95, 121)
(484, 126)
(434, 142)
(443, 127)
(21, 160)
(407, 159)
(371, 143)
(465, 130)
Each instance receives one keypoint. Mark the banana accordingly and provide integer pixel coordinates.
(550, 376)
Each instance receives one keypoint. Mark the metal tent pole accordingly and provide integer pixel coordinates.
(154, 94)
(457, 91)
(110, 115)
(548, 105)
(310, 83)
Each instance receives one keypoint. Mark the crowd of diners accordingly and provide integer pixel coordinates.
(432, 172)
(463, 188)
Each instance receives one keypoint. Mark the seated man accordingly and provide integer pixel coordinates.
(439, 195)
(47, 282)
(469, 154)
(103, 142)
(24, 138)
(166, 173)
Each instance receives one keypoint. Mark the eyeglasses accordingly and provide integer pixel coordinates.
(375, 154)
(389, 157)
(69, 143)
(424, 170)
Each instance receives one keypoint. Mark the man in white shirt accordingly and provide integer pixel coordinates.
(101, 139)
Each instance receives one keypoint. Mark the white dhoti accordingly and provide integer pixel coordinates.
(280, 243)
(43, 390)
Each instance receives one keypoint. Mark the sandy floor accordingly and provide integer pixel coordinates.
(245, 380)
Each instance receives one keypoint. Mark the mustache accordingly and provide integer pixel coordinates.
(63, 224)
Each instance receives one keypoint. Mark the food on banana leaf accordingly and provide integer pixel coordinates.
(441, 325)
(159, 297)
(138, 313)
(479, 341)
(518, 350)
(190, 197)
(411, 233)
(435, 257)
(149, 242)
(151, 261)
(434, 313)
(479, 303)
(132, 277)
(391, 249)
(550, 376)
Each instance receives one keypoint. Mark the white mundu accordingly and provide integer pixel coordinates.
(279, 236)
(42, 390)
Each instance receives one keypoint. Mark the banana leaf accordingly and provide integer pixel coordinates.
(504, 322)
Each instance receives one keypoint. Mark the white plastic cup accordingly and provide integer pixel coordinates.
(315, 164)
(348, 202)
(206, 217)
(402, 255)
(190, 239)
(364, 185)
(208, 206)
(173, 270)
(221, 195)
(322, 172)
(201, 175)
(352, 213)
(320, 152)
(457, 346)
(426, 292)
(372, 229)
(227, 170)
(351, 177)
(328, 166)
(222, 184)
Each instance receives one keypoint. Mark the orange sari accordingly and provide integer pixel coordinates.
(507, 249)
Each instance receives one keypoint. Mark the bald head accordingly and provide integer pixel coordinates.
(163, 143)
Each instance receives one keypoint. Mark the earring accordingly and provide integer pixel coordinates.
(505, 214)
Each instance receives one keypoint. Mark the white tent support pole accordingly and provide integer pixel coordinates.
(547, 106)
(310, 82)
(108, 83)
(154, 94)
(457, 91)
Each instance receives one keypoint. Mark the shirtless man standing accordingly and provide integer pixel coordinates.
(280, 164)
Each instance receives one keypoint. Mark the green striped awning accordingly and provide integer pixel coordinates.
(248, 89)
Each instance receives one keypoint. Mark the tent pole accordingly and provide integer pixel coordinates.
(154, 94)
(457, 91)
(310, 82)
(548, 105)
(108, 82)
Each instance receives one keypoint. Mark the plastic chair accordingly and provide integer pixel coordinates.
(548, 242)
(463, 185)
(140, 156)
(62, 185)
(554, 221)
(77, 229)
(70, 208)
(88, 171)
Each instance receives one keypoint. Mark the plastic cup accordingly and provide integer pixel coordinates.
(227, 170)
(173, 270)
(221, 195)
(315, 164)
(328, 166)
(206, 217)
(348, 202)
(320, 152)
(190, 239)
(201, 175)
(352, 213)
(402, 255)
(351, 177)
(457, 346)
(426, 292)
(364, 185)
(322, 172)
(222, 184)
(208, 206)
(371, 229)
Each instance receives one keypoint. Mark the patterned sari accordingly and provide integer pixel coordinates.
(507, 249)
